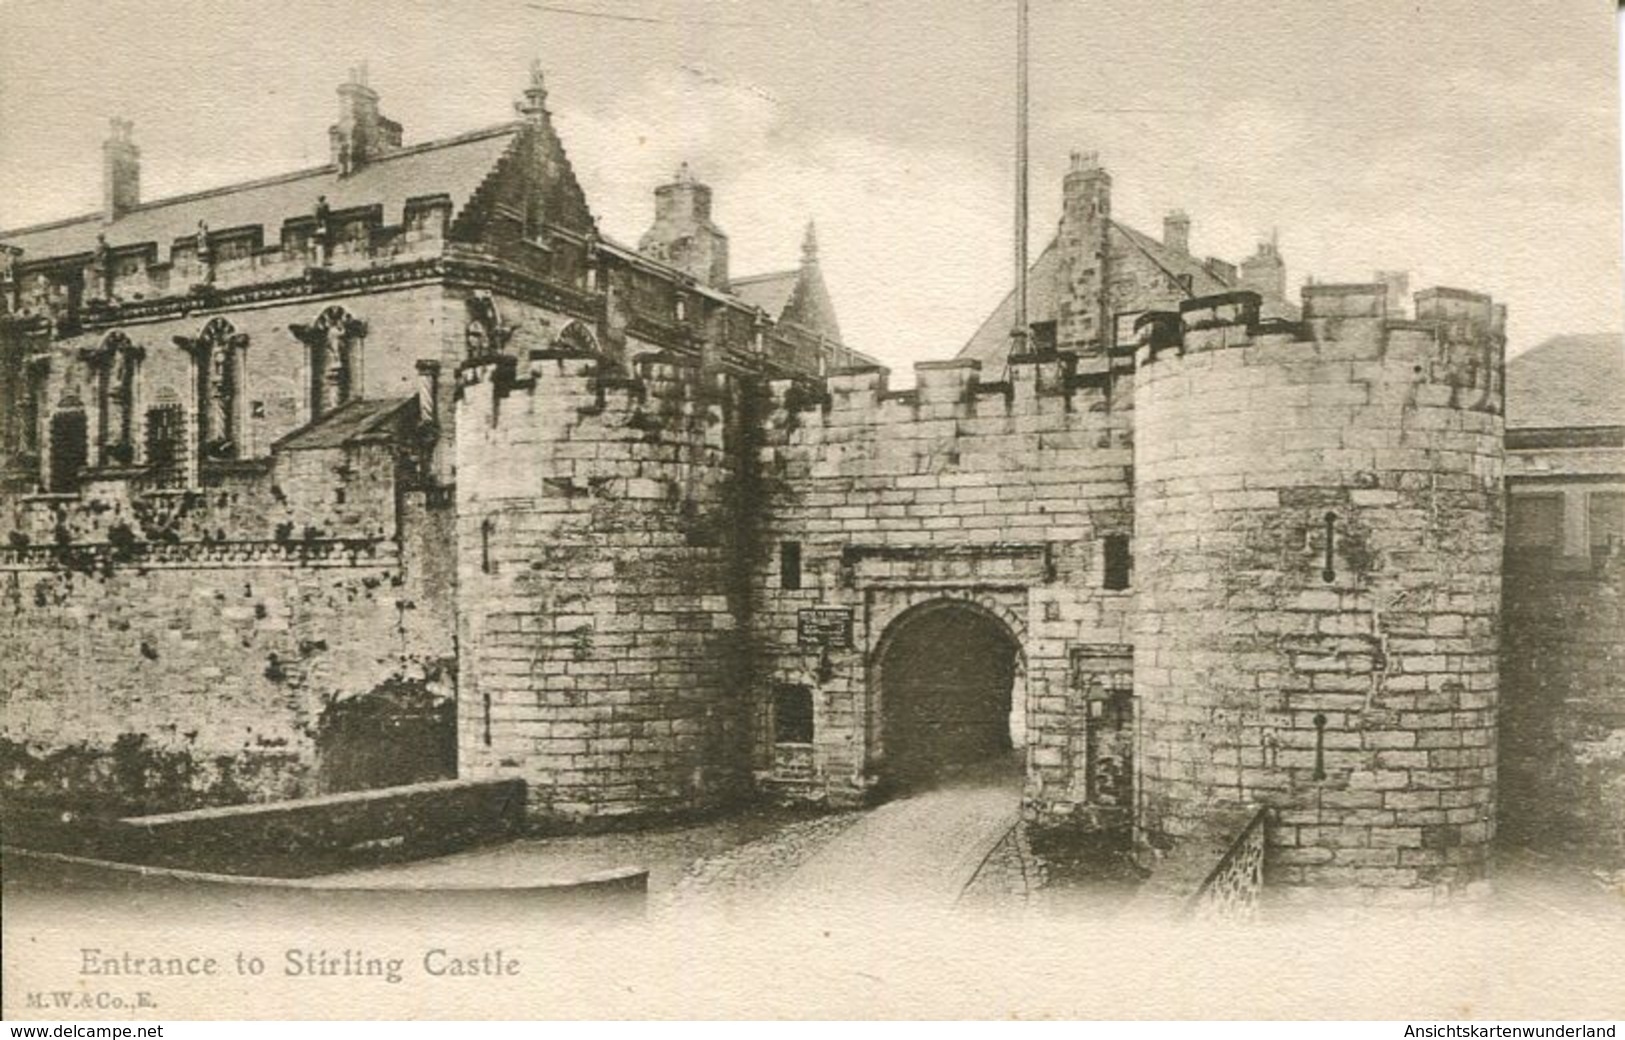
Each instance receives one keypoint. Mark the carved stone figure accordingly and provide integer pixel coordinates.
(477, 339)
(36, 370)
(486, 332)
(331, 343)
(323, 235)
(335, 368)
(221, 396)
(103, 263)
(120, 391)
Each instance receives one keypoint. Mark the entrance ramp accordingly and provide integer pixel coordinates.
(918, 851)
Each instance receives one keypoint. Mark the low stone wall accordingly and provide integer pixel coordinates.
(621, 892)
(306, 835)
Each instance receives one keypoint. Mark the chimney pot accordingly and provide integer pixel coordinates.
(121, 171)
(363, 133)
(683, 234)
(1176, 231)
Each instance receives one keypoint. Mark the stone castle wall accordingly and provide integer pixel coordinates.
(1320, 517)
(173, 638)
(602, 618)
(1562, 741)
(997, 496)
(144, 675)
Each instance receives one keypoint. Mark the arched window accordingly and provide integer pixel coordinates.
(217, 368)
(23, 402)
(113, 363)
(333, 345)
(69, 444)
(577, 337)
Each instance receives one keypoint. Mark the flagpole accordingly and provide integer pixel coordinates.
(1018, 330)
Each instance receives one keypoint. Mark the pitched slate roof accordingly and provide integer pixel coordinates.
(1174, 263)
(1568, 381)
(991, 343)
(360, 420)
(454, 166)
(797, 297)
(771, 292)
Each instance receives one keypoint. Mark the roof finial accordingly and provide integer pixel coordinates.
(684, 174)
(809, 245)
(535, 104)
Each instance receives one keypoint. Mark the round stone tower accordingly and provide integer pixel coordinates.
(599, 648)
(1318, 547)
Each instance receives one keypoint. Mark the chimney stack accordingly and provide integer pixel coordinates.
(121, 171)
(362, 133)
(683, 234)
(1176, 232)
(1265, 272)
(1084, 249)
(1398, 284)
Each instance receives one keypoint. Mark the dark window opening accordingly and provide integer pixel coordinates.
(1043, 337)
(486, 527)
(70, 446)
(792, 715)
(1534, 529)
(166, 437)
(790, 565)
(1119, 562)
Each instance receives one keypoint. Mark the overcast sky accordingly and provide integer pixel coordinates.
(1475, 144)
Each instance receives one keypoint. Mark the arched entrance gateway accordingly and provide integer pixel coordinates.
(947, 673)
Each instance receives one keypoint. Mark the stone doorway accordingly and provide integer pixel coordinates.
(947, 674)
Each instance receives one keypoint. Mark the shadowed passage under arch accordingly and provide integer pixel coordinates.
(947, 670)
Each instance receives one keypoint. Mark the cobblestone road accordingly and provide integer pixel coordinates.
(922, 850)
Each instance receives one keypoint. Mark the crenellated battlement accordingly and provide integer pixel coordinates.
(561, 423)
(1453, 339)
(660, 384)
(1329, 312)
(204, 262)
(1038, 385)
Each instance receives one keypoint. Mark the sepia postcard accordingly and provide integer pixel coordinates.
(647, 509)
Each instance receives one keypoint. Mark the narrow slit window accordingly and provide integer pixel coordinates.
(486, 527)
(790, 565)
(1119, 562)
(792, 714)
(1328, 572)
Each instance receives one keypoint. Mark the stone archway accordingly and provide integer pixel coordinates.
(947, 672)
